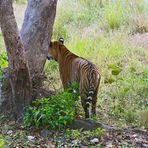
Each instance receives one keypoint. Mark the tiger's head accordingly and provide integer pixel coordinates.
(54, 48)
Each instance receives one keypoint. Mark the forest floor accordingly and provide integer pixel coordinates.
(12, 134)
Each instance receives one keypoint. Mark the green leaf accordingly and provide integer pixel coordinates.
(112, 66)
(132, 69)
(109, 80)
(2, 143)
(116, 72)
(126, 89)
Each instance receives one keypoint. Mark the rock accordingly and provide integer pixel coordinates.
(44, 133)
(75, 141)
(10, 133)
(94, 141)
(84, 124)
(89, 124)
(31, 138)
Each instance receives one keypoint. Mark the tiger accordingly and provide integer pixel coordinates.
(77, 69)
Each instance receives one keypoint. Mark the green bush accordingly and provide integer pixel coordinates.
(54, 112)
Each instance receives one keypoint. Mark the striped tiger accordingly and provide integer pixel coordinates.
(77, 69)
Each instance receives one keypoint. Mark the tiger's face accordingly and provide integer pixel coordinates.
(53, 49)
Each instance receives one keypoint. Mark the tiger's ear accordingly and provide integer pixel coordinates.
(61, 40)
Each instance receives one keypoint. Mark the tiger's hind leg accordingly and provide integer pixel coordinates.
(85, 106)
(94, 104)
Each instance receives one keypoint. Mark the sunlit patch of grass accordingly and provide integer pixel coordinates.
(114, 14)
(2, 45)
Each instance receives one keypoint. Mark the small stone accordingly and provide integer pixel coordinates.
(95, 140)
(75, 141)
(44, 133)
(10, 133)
(31, 138)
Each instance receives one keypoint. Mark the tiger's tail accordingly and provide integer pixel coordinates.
(88, 102)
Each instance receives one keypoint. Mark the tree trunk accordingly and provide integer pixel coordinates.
(36, 34)
(18, 73)
(26, 54)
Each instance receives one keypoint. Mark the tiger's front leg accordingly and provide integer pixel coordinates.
(65, 83)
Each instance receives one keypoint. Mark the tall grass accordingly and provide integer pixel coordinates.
(114, 13)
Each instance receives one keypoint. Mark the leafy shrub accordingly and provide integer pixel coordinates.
(54, 112)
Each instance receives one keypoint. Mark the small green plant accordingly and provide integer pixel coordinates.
(98, 132)
(130, 115)
(73, 134)
(53, 112)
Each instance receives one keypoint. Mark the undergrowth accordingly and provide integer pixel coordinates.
(55, 112)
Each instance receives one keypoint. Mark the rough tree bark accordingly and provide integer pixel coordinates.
(36, 33)
(19, 77)
(26, 54)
